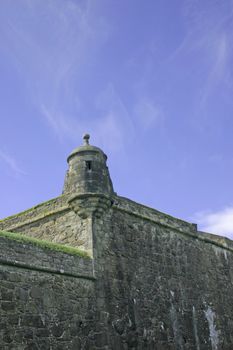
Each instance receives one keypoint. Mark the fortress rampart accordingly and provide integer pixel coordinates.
(93, 270)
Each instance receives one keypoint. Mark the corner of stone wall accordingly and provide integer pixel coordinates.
(88, 207)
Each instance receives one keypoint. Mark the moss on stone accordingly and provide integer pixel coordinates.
(44, 244)
(30, 209)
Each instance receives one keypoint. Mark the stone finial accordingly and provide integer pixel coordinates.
(86, 138)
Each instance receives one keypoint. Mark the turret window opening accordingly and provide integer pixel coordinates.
(88, 165)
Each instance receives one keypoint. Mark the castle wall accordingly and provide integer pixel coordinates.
(162, 287)
(53, 221)
(155, 283)
(45, 298)
(55, 205)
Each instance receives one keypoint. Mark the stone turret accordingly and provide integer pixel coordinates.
(88, 172)
(88, 181)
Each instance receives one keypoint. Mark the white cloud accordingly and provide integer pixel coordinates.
(112, 129)
(63, 127)
(219, 69)
(110, 132)
(220, 222)
(53, 44)
(207, 40)
(11, 163)
(52, 121)
(50, 44)
(148, 113)
(115, 126)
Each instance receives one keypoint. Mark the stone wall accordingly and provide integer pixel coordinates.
(53, 221)
(162, 287)
(45, 298)
(155, 283)
(55, 205)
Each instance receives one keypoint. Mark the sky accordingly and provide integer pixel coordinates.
(151, 81)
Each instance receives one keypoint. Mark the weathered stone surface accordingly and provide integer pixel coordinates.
(154, 282)
(160, 288)
(88, 172)
(43, 319)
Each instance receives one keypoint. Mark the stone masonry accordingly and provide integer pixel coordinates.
(147, 281)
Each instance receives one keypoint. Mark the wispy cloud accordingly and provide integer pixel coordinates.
(63, 127)
(220, 222)
(116, 125)
(51, 44)
(112, 129)
(219, 69)
(11, 163)
(148, 112)
(208, 43)
(110, 132)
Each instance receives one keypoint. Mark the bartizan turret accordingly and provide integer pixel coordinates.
(88, 181)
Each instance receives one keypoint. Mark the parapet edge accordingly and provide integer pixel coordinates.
(183, 227)
(43, 209)
(33, 254)
(149, 213)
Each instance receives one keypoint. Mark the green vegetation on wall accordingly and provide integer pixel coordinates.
(44, 244)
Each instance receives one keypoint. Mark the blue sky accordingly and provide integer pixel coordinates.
(151, 81)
